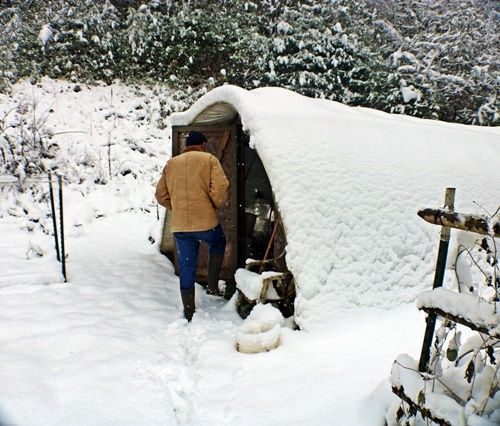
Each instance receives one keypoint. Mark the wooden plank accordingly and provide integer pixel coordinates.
(467, 222)
(240, 139)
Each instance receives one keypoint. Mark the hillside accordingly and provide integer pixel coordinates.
(107, 142)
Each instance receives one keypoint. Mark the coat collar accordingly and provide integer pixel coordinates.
(193, 148)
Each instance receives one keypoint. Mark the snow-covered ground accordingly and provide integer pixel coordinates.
(110, 346)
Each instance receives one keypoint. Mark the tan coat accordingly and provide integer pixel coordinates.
(193, 185)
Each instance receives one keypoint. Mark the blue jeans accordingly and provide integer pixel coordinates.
(188, 244)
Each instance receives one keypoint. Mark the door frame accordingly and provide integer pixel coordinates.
(167, 245)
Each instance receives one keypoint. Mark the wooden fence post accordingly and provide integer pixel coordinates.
(449, 202)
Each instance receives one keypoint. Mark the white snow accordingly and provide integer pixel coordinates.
(45, 35)
(405, 375)
(433, 393)
(409, 93)
(7, 179)
(283, 27)
(250, 284)
(110, 347)
(400, 55)
(463, 305)
(261, 330)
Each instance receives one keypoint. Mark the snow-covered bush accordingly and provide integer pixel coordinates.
(26, 144)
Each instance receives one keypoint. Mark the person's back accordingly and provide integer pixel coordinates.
(197, 187)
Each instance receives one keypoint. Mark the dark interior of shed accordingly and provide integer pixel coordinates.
(265, 239)
(259, 207)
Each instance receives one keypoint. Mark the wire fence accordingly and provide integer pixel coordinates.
(54, 184)
(57, 214)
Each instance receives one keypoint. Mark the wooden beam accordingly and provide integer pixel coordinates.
(467, 222)
(460, 320)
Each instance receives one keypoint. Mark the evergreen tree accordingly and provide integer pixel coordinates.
(9, 28)
(67, 38)
(318, 49)
(197, 46)
(448, 51)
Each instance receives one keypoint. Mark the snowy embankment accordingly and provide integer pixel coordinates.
(107, 142)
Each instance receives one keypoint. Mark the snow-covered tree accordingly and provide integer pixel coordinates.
(320, 49)
(9, 24)
(446, 54)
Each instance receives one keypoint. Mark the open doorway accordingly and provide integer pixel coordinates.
(250, 218)
(259, 205)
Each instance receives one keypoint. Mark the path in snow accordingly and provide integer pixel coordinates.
(110, 347)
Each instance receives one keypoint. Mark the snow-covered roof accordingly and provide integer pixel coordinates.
(349, 182)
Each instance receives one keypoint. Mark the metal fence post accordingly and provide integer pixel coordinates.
(449, 202)
(54, 221)
(61, 219)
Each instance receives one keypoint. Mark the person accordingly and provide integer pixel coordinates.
(193, 186)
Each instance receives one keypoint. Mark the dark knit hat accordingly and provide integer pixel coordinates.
(195, 138)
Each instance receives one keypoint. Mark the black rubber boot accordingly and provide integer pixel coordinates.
(187, 296)
(214, 267)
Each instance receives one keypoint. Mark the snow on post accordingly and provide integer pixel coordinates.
(465, 308)
(468, 222)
